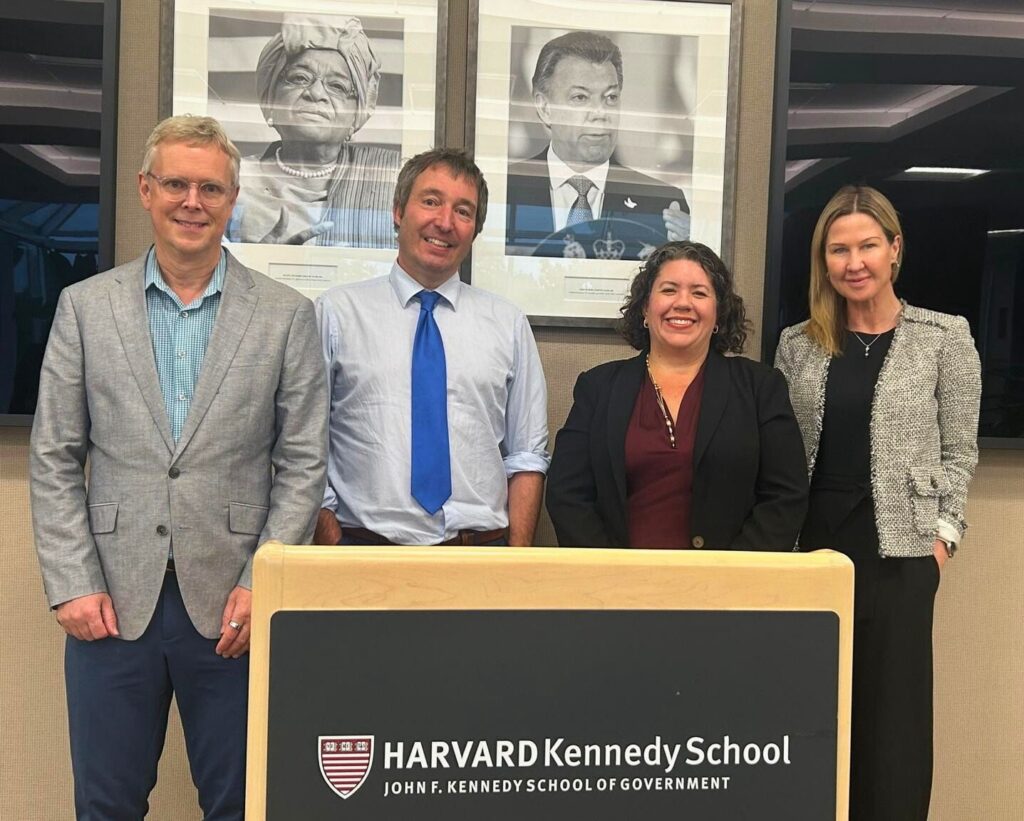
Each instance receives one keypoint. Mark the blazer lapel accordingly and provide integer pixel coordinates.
(128, 304)
(237, 303)
(622, 397)
(533, 190)
(713, 403)
(616, 192)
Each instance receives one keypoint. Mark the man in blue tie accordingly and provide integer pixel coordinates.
(438, 423)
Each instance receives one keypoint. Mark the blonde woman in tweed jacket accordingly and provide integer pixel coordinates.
(887, 398)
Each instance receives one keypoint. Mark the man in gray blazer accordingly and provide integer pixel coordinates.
(187, 382)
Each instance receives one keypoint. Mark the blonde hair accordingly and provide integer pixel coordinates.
(194, 130)
(827, 326)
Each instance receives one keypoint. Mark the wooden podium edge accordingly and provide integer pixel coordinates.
(303, 577)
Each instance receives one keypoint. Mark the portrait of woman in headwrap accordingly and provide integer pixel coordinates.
(317, 83)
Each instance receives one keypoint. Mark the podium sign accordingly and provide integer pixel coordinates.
(368, 709)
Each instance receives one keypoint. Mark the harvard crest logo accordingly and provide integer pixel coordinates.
(345, 761)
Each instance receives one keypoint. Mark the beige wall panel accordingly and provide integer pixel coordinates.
(979, 654)
(137, 114)
(35, 771)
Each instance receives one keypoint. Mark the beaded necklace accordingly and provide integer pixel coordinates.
(669, 427)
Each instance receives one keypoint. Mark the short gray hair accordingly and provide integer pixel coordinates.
(194, 130)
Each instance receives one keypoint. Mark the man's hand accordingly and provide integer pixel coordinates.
(88, 617)
(328, 531)
(677, 222)
(279, 233)
(234, 641)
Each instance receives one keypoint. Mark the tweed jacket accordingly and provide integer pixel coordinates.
(924, 425)
(248, 466)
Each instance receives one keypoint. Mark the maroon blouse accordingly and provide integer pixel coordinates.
(659, 478)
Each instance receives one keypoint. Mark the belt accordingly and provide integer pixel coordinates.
(465, 537)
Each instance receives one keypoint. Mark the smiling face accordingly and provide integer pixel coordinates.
(859, 258)
(315, 99)
(580, 105)
(681, 311)
(437, 226)
(188, 230)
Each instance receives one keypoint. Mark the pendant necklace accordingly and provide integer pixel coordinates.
(669, 427)
(867, 345)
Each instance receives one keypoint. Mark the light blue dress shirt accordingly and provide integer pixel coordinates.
(180, 334)
(497, 405)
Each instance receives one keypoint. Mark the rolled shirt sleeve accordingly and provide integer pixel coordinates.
(526, 418)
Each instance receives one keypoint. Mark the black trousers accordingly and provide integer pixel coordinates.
(891, 730)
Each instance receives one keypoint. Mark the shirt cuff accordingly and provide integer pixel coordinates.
(526, 463)
(947, 533)
(330, 499)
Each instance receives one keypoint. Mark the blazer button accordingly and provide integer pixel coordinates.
(697, 542)
(174, 473)
(161, 530)
(935, 483)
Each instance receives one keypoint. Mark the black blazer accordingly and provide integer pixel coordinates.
(530, 226)
(749, 478)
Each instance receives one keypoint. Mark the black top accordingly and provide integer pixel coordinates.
(843, 467)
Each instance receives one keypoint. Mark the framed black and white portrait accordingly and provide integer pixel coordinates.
(324, 99)
(600, 142)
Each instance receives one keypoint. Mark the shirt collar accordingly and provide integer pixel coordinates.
(559, 172)
(155, 279)
(406, 287)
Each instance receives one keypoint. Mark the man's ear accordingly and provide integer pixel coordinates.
(542, 105)
(145, 191)
(396, 216)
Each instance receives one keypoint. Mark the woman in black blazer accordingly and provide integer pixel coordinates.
(680, 446)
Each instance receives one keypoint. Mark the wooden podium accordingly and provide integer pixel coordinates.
(429, 682)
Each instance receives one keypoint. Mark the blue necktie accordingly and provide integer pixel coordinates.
(431, 462)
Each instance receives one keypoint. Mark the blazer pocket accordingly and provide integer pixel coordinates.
(103, 517)
(926, 485)
(246, 518)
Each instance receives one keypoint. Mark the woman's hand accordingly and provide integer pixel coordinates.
(939, 549)
(279, 233)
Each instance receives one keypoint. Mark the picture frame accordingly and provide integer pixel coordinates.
(653, 145)
(242, 62)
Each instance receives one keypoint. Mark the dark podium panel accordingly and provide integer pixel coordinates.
(731, 715)
(548, 684)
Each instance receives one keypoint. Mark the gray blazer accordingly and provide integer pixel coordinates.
(924, 424)
(248, 467)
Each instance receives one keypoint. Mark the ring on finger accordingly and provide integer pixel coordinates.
(234, 625)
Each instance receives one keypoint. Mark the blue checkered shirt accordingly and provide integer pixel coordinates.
(180, 334)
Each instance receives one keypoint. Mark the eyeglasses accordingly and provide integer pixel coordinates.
(335, 86)
(176, 189)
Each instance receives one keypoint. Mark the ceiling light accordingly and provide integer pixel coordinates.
(939, 174)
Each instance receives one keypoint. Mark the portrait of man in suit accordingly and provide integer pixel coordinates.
(576, 198)
(193, 387)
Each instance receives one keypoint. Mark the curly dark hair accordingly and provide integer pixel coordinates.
(732, 322)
